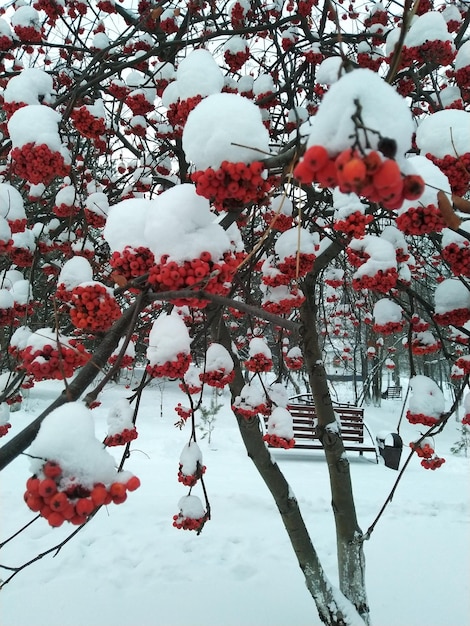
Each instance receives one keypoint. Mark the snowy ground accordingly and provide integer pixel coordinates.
(130, 567)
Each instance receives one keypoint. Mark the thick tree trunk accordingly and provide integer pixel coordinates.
(351, 563)
(330, 607)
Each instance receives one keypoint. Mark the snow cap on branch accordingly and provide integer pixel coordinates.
(225, 127)
(168, 338)
(364, 96)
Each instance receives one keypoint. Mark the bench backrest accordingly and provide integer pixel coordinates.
(305, 421)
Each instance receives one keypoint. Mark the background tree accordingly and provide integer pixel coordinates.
(221, 189)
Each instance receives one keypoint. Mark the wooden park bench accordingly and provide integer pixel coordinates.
(392, 393)
(351, 417)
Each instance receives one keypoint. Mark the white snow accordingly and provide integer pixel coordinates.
(218, 359)
(296, 240)
(330, 70)
(381, 108)
(444, 132)
(198, 74)
(386, 310)
(430, 26)
(190, 456)
(181, 225)
(280, 423)
(28, 86)
(11, 203)
(168, 338)
(35, 123)
(127, 551)
(451, 294)
(462, 58)
(125, 224)
(75, 271)
(225, 127)
(120, 417)
(259, 346)
(67, 436)
(426, 397)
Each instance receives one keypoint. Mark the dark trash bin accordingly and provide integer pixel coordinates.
(390, 446)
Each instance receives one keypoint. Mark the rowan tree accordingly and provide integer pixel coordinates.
(227, 189)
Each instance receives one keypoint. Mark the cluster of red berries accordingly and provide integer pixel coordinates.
(297, 265)
(217, 378)
(421, 418)
(118, 90)
(4, 428)
(464, 364)
(389, 328)
(236, 60)
(354, 225)
(247, 411)
(211, 276)
(278, 221)
(37, 163)
(466, 419)
(12, 107)
(6, 43)
(22, 257)
(28, 34)
(169, 25)
(436, 52)
(457, 170)
(49, 363)
(432, 464)
(371, 175)
(93, 307)
(7, 316)
(178, 112)
(456, 317)
(421, 220)
(138, 103)
(88, 124)
(259, 363)
(274, 441)
(52, 9)
(106, 6)
(73, 503)
(96, 220)
(424, 452)
(126, 360)
(171, 369)
(65, 210)
(285, 305)
(419, 325)
(120, 439)
(419, 348)
(462, 78)
(189, 480)
(312, 57)
(368, 61)
(382, 281)
(233, 185)
(132, 262)
(293, 363)
(458, 257)
(18, 225)
(275, 279)
(183, 411)
(239, 15)
(188, 523)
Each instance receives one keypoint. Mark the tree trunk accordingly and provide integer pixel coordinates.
(330, 607)
(351, 562)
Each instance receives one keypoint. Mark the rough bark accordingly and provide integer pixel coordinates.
(327, 603)
(351, 562)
